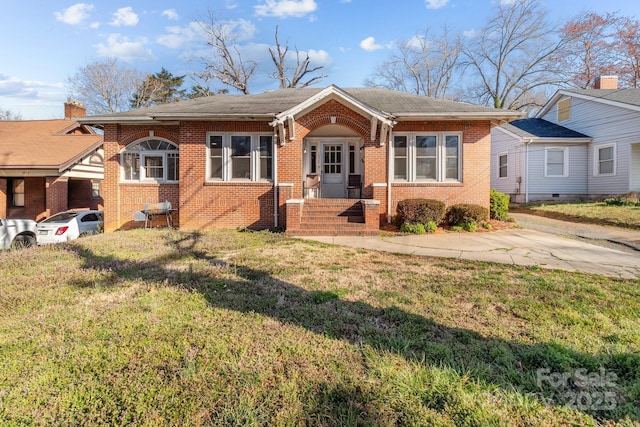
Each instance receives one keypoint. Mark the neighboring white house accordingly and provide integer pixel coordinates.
(583, 144)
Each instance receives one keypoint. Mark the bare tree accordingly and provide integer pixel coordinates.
(591, 48)
(9, 115)
(628, 49)
(301, 70)
(105, 86)
(516, 53)
(226, 64)
(424, 65)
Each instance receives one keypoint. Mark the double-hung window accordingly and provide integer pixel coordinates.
(240, 157)
(427, 157)
(556, 162)
(604, 158)
(150, 160)
(17, 192)
(502, 165)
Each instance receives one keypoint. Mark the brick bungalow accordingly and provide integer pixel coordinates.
(312, 160)
(49, 166)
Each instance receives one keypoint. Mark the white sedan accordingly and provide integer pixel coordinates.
(69, 225)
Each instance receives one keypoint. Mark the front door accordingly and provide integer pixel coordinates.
(332, 177)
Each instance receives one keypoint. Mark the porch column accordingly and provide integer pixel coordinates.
(294, 215)
(57, 194)
(285, 192)
(3, 198)
(371, 210)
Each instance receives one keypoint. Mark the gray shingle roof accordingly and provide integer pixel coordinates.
(625, 96)
(540, 128)
(271, 103)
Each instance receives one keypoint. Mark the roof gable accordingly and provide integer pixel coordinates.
(45, 144)
(623, 98)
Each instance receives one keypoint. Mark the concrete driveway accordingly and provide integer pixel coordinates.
(518, 246)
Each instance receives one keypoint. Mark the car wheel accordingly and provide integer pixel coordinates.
(23, 241)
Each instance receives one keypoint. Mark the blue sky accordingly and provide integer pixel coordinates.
(43, 43)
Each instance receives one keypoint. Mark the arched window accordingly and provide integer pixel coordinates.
(152, 159)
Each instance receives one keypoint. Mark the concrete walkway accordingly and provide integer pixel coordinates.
(518, 246)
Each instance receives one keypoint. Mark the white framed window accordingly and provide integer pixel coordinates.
(503, 165)
(427, 157)
(238, 157)
(604, 158)
(556, 162)
(150, 160)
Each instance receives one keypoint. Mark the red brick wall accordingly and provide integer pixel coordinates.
(34, 200)
(475, 186)
(3, 198)
(81, 195)
(205, 204)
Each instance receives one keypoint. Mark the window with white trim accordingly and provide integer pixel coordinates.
(502, 165)
(605, 160)
(555, 160)
(150, 160)
(434, 157)
(239, 157)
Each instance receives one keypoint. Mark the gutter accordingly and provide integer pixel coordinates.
(526, 169)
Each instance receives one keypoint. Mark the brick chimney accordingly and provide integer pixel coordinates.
(73, 109)
(606, 82)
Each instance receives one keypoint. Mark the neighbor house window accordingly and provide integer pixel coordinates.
(556, 162)
(240, 157)
(564, 109)
(17, 193)
(427, 157)
(605, 160)
(150, 160)
(502, 166)
(95, 189)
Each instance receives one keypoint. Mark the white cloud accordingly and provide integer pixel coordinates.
(125, 16)
(240, 30)
(177, 37)
(171, 14)
(507, 2)
(369, 44)
(74, 15)
(470, 34)
(286, 8)
(436, 4)
(121, 47)
(16, 88)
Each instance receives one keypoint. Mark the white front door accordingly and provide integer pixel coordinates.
(332, 170)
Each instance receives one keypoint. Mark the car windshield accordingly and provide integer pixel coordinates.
(61, 217)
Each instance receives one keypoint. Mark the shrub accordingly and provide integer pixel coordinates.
(430, 226)
(498, 205)
(631, 198)
(420, 211)
(486, 226)
(414, 228)
(470, 226)
(464, 212)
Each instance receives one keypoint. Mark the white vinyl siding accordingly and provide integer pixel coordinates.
(505, 144)
(605, 124)
(542, 186)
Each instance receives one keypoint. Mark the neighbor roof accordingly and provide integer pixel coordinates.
(270, 104)
(540, 128)
(624, 98)
(45, 144)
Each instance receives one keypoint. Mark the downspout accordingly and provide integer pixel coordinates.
(526, 171)
(389, 177)
(275, 178)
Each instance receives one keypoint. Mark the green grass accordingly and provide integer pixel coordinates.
(229, 328)
(592, 212)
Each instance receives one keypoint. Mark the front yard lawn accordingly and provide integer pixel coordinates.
(596, 213)
(228, 328)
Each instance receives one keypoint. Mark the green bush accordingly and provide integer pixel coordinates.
(412, 227)
(464, 212)
(470, 226)
(498, 205)
(430, 226)
(420, 211)
(631, 198)
(486, 226)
